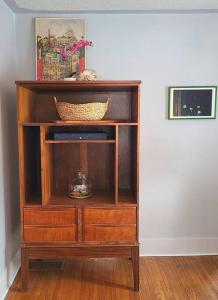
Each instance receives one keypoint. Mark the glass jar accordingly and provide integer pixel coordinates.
(80, 188)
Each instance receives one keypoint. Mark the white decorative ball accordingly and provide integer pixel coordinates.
(87, 75)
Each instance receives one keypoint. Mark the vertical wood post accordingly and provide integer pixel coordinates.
(135, 266)
(24, 268)
(116, 164)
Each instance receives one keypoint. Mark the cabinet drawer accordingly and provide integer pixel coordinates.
(110, 216)
(110, 233)
(49, 217)
(54, 234)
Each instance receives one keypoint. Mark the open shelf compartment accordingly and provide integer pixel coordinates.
(62, 161)
(36, 102)
(127, 164)
(31, 190)
(108, 133)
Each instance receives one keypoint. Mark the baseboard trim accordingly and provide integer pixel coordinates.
(179, 247)
(8, 276)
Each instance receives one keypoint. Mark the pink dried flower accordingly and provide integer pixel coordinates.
(75, 47)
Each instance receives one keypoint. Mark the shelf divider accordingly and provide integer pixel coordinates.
(46, 166)
(116, 165)
(43, 162)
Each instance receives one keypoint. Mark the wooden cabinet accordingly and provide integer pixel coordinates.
(54, 225)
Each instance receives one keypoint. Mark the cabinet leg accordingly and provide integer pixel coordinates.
(24, 268)
(135, 266)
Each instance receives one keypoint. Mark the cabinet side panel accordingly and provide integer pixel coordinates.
(135, 161)
(26, 105)
(135, 102)
(21, 174)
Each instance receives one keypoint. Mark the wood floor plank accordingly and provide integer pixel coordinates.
(161, 278)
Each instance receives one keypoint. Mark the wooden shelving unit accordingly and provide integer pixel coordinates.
(54, 225)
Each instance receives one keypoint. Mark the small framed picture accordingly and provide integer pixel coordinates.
(192, 102)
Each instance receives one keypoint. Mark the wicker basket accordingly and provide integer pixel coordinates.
(81, 112)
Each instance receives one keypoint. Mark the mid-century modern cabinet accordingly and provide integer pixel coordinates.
(55, 226)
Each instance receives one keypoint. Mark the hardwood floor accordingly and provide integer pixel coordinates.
(161, 278)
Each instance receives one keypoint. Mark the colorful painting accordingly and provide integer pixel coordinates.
(55, 36)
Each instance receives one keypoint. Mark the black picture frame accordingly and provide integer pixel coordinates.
(192, 102)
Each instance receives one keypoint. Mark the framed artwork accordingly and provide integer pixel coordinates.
(192, 102)
(53, 37)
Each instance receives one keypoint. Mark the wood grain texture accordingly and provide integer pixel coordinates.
(116, 216)
(26, 104)
(83, 157)
(74, 123)
(66, 162)
(45, 234)
(79, 224)
(116, 164)
(101, 166)
(110, 233)
(135, 266)
(119, 103)
(37, 98)
(69, 251)
(24, 269)
(98, 199)
(49, 217)
(162, 278)
(47, 168)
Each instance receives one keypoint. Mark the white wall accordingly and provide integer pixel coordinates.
(9, 211)
(179, 165)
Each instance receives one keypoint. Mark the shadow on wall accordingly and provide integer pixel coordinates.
(9, 149)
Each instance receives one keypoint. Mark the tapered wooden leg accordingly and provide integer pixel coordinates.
(135, 266)
(24, 268)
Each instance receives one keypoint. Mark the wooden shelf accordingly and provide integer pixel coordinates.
(96, 123)
(34, 200)
(99, 198)
(79, 141)
(126, 197)
(100, 85)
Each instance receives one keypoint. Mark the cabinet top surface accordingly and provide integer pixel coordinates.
(78, 83)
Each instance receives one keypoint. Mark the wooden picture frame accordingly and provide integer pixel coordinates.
(188, 102)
